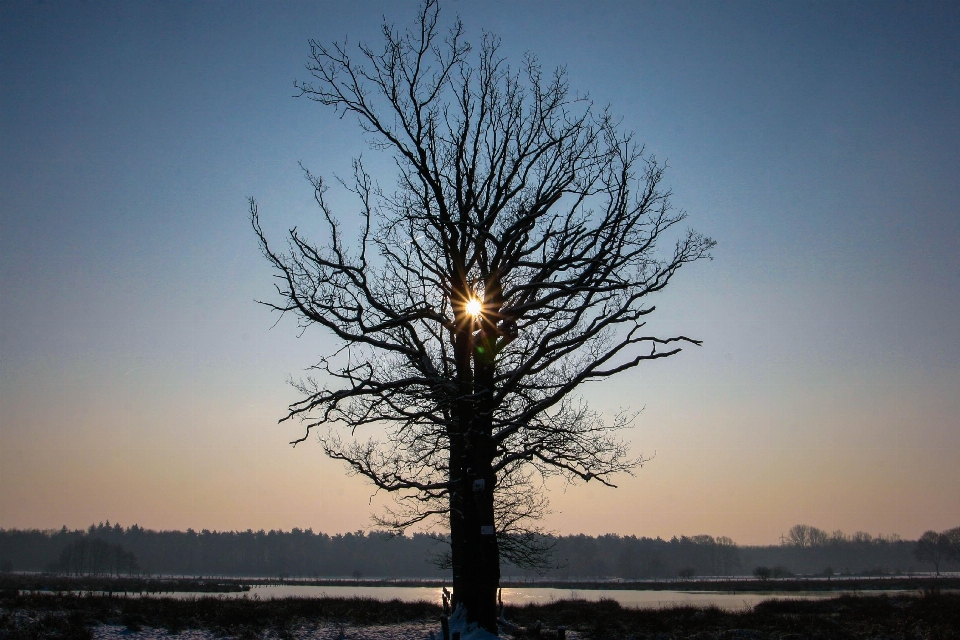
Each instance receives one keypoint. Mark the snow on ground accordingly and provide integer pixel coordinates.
(458, 622)
(118, 632)
(427, 630)
(328, 631)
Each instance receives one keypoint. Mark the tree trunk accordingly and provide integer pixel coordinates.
(477, 560)
(473, 538)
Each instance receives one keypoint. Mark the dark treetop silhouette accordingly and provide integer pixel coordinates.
(510, 265)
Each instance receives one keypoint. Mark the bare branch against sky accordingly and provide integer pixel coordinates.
(514, 262)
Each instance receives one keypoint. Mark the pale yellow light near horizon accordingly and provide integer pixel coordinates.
(474, 307)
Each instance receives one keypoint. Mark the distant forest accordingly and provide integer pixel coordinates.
(107, 549)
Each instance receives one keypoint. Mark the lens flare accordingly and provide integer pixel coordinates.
(474, 307)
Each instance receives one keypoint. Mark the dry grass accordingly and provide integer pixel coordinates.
(933, 616)
(69, 617)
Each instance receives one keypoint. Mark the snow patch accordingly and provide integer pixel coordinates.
(471, 631)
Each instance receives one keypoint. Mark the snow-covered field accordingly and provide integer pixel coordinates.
(406, 631)
(28, 623)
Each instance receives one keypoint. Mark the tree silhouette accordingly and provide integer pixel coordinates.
(805, 536)
(510, 265)
(936, 547)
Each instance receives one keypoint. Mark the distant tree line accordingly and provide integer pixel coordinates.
(244, 553)
(804, 536)
(93, 556)
(634, 558)
(939, 548)
(106, 548)
(808, 550)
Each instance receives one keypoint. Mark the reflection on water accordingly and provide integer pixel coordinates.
(656, 599)
(521, 596)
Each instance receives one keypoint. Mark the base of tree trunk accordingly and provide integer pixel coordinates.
(468, 630)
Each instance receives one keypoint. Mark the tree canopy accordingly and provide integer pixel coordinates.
(511, 263)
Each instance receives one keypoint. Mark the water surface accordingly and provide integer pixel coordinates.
(730, 601)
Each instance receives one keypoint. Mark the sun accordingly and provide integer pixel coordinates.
(474, 307)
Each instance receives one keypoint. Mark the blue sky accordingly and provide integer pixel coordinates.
(818, 143)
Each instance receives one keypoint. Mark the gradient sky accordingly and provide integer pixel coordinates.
(817, 142)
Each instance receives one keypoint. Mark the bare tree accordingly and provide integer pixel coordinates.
(953, 543)
(511, 264)
(799, 535)
(804, 536)
(936, 547)
(728, 555)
